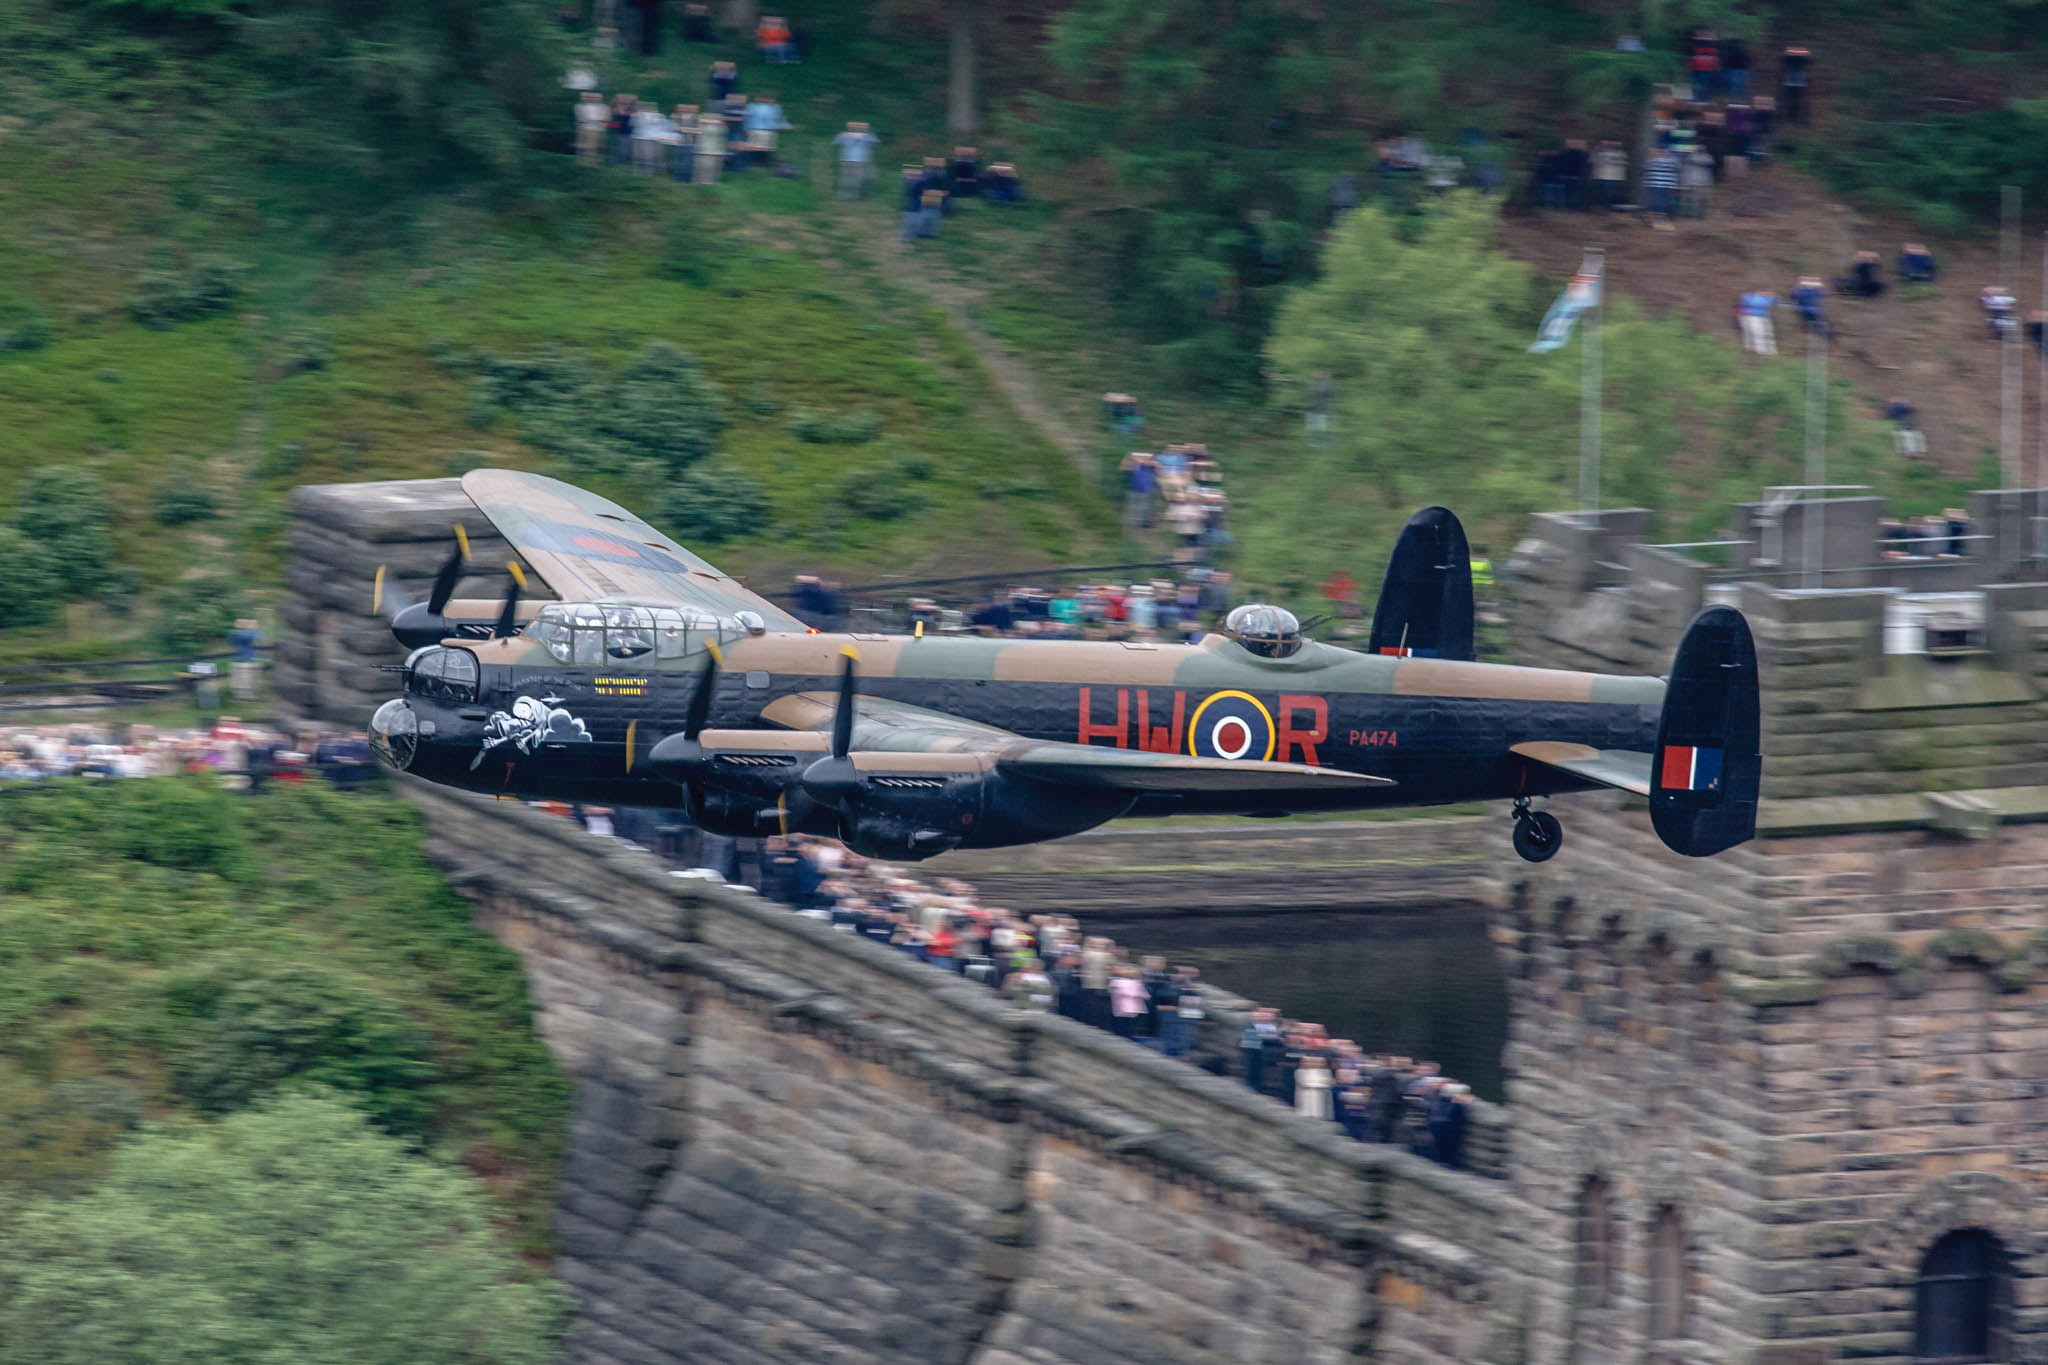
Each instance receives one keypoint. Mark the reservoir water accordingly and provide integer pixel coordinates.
(1424, 985)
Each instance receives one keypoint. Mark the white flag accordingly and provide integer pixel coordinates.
(1582, 293)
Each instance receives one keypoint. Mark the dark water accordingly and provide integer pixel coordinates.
(1426, 986)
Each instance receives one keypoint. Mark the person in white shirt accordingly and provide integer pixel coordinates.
(856, 160)
(590, 119)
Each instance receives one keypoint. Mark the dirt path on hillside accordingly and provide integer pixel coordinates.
(1929, 344)
(957, 298)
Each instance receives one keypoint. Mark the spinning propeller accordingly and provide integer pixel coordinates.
(422, 623)
(833, 780)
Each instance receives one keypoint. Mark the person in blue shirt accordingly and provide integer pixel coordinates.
(1810, 298)
(1753, 313)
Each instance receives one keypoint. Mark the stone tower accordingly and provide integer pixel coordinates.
(1790, 1104)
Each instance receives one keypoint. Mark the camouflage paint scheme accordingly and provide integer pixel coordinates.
(1094, 724)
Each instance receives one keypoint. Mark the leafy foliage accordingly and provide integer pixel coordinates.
(165, 298)
(210, 948)
(659, 415)
(195, 612)
(248, 1028)
(1424, 325)
(662, 408)
(1945, 168)
(716, 502)
(182, 500)
(828, 428)
(64, 513)
(291, 1232)
(30, 585)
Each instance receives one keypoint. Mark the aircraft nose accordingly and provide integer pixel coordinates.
(395, 734)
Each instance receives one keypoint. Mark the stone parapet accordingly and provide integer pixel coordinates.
(804, 1143)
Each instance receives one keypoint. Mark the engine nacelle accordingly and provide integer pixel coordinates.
(743, 815)
(910, 816)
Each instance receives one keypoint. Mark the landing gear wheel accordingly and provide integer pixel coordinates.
(1538, 836)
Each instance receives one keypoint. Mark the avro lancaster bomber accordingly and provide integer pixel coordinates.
(656, 680)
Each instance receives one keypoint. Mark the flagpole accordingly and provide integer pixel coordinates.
(1589, 396)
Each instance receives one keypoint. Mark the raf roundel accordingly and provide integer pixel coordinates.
(1231, 725)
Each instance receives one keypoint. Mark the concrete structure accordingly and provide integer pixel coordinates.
(795, 1145)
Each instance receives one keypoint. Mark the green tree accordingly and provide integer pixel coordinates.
(294, 1232)
(30, 585)
(63, 510)
(1423, 325)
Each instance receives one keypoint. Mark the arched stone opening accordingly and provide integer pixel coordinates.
(1669, 1278)
(1962, 1300)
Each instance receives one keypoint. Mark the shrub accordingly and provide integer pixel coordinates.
(882, 492)
(165, 298)
(306, 348)
(662, 407)
(65, 512)
(247, 1029)
(32, 335)
(30, 586)
(188, 825)
(182, 501)
(197, 613)
(827, 428)
(715, 502)
(293, 1232)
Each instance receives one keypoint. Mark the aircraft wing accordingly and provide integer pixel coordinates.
(1628, 769)
(590, 549)
(892, 736)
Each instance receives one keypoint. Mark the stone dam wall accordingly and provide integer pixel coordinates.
(793, 1145)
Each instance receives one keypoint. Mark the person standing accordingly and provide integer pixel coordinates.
(1096, 962)
(710, 148)
(590, 120)
(1660, 178)
(856, 160)
(684, 120)
(1754, 311)
(242, 639)
(1610, 173)
(765, 126)
(1312, 1087)
(1735, 68)
(1128, 1000)
(1795, 73)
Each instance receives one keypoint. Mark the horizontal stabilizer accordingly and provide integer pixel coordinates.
(1626, 769)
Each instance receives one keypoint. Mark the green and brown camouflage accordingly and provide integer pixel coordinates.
(969, 741)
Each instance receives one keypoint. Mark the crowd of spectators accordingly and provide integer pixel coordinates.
(1704, 132)
(246, 755)
(730, 131)
(932, 188)
(1047, 963)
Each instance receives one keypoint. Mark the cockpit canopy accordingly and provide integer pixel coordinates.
(606, 632)
(444, 674)
(1267, 631)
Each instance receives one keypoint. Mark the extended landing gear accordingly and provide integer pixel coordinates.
(1538, 836)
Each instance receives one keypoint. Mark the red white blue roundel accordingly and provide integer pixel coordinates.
(585, 542)
(1231, 725)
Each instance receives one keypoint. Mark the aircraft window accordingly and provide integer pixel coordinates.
(671, 635)
(629, 632)
(459, 675)
(426, 671)
(1269, 632)
(589, 644)
(551, 628)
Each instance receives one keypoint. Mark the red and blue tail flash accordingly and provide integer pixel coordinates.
(1690, 768)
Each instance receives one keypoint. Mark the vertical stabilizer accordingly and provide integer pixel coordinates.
(1707, 768)
(1425, 606)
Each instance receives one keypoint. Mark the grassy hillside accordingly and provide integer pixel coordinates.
(171, 949)
(1177, 176)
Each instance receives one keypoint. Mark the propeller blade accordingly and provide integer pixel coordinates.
(508, 615)
(445, 580)
(377, 592)
(842, 715)
(700, 700)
